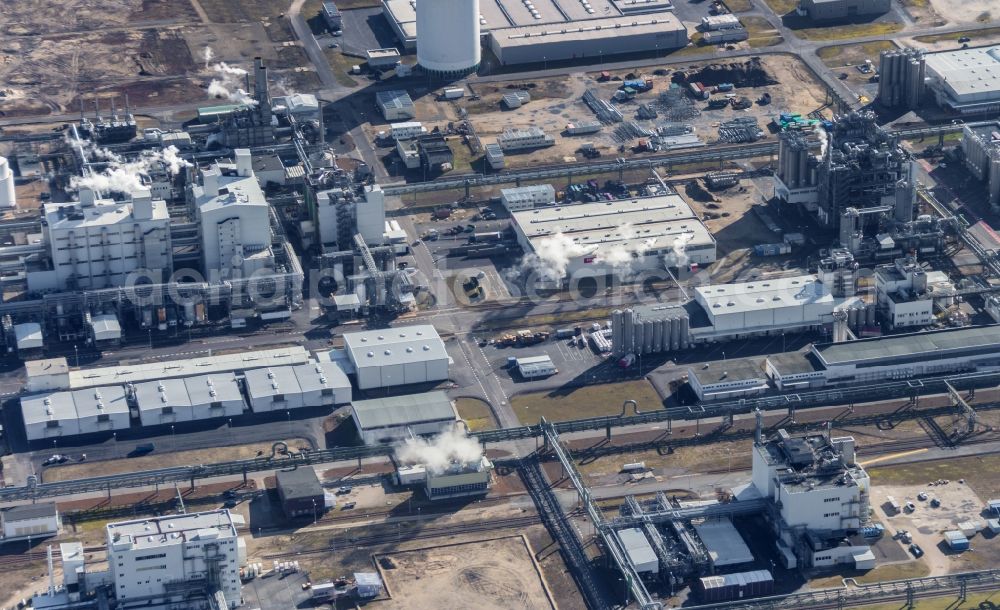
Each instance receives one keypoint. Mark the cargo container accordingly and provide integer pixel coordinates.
(725, 87)
(771, 249)
(718, 102)
(484, 238)
(565, 333)
(583, 127)
(956, 540)
(741, 585)
(453, 93)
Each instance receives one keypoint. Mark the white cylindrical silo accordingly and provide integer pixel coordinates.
(448, 36)
(7, 197)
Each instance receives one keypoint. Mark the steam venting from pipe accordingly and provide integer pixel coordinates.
(121, 176)
(552, 255)
(824, 140)
(229, 84)
(208, 54)
(442, 451)
(678, 257)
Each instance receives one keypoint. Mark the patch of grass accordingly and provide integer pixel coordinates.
(476, 413)
(854, 30)
(738, 6)
(163, 458)
(782, 7)
(973, 34)
(587, 401)
(341, 65)
(837, 56)
(981, 473)
(892, 571)
(463, 157)
(761, 32)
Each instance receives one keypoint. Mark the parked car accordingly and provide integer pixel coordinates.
(964, 39)
(916, 550)
(346, 489)
(143, 449)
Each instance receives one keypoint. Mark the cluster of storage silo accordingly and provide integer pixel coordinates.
(796, 150)
(902, 74)
(636, 332)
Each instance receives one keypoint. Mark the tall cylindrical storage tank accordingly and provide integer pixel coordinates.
(685, 332)
(448, 36)
(617, 332)
(7, 198)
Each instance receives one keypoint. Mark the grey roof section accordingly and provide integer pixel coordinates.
(400, 345)
(154, 395)
(100, 401)
(792, 363)
(30, 511)
(737, 369)
(403, 410)
(933, 345)
(394, 99)
(272, 381)
(637, 546)
(318, 376)
(48, 366)
(223, 385)
(299, 483)
(57, 406)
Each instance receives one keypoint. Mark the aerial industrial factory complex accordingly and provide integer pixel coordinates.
(523, 303)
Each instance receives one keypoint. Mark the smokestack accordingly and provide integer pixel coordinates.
(97, 106)
(52, 574)
(114, 111)
(758, 433)
(128, 112)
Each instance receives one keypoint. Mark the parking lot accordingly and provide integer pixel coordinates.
(273, 591)
(925, 523)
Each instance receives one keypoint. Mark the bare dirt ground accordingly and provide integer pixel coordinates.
(958, 503)
(965, 11)
(52, 54)
(555, 102)
(492, 574)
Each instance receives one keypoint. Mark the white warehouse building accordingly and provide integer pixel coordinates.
(52, 415)
(605, 237)
(395, 356)
(293, 387)
(170, 401)
(966, 81)
(527, 197)
(386, 420)
(155, 558)
(766, 306)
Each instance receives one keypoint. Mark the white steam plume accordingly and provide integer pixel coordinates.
(678, 256)
(824, 140)
(552, 255)
(437, 454)
(228, 84)
(126, 176)
(208, 54)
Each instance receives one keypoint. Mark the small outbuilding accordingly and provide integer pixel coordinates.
(300, 492)
(30, 521)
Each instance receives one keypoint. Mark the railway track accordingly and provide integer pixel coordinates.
(408, 534)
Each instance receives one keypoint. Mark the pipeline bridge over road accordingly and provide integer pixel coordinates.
(910, 390)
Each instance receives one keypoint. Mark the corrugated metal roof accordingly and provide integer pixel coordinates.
(389, 346)
(299, 483)
(30, 511)
(402, 410)
(637, 546)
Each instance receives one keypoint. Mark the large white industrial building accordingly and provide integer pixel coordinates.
(616, 236)
(396, 418)
(766, 306)
(170, 401)
(97, 243)
(235, 220)
(292, 387)
(394, 356)
(965, 80)
(876, 359)
(822, 496)
(530, 32)
(58, 414)
(171, 557)
(343, 213)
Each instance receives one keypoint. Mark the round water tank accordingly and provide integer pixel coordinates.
(448, 36)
